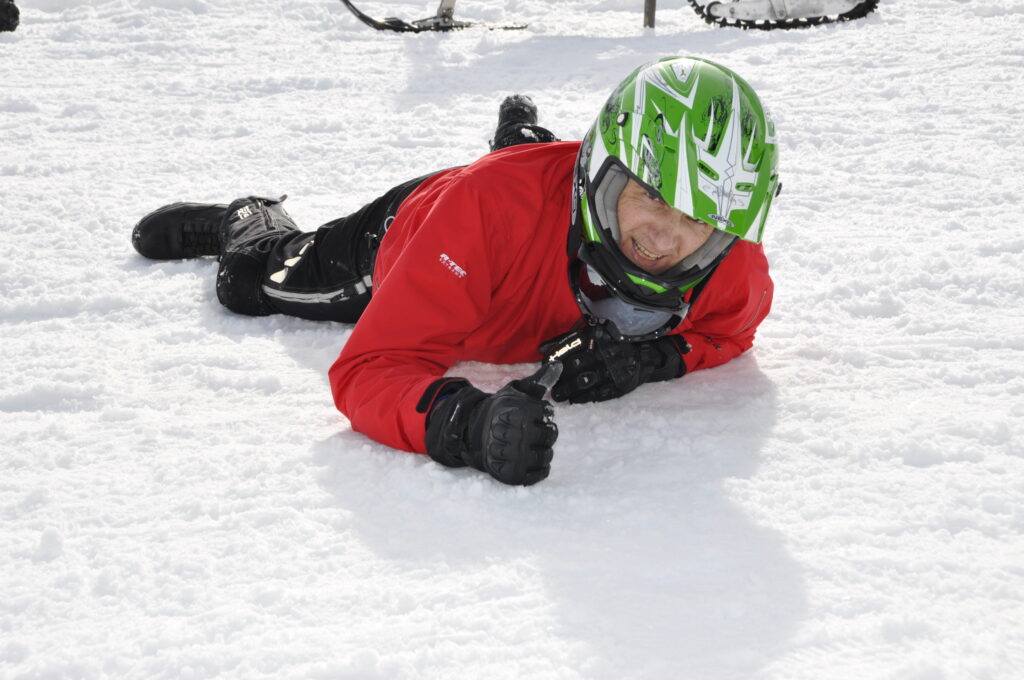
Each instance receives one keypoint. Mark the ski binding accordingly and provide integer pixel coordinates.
(444, 20)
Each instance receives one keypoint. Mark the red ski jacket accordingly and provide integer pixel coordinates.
(474, 268)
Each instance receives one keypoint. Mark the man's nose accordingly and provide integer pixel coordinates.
(662, 236)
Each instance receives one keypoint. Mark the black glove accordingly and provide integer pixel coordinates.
(508, 435)
(600, 364)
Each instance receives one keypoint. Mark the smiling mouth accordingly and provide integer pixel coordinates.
(644, 253)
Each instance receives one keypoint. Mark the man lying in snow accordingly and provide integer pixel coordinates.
(630, 257)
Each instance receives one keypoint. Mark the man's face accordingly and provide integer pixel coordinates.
(653, 235)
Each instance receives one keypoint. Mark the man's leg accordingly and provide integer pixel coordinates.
(517, 124)
(253, 231)
(327, 274)
(269, 266)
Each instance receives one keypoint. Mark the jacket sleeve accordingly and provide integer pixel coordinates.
(436, 292)
(729, 310)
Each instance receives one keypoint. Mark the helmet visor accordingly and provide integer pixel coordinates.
(605, 192)
(635, 321)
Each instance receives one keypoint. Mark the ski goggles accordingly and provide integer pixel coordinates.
(635, 320)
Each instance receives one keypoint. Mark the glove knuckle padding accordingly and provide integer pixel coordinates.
(508, 435)
(516, 438)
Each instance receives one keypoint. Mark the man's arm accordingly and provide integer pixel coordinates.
(723, 320)
(433, 295)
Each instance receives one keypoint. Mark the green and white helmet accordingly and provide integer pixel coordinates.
(694, 134)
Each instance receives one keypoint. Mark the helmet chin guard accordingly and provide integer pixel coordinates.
(602, 300)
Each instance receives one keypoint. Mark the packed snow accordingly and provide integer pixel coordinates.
(180, 499)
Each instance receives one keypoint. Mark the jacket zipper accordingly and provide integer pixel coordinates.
(764, 294)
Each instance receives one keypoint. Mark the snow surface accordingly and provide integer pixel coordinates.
(179, 498)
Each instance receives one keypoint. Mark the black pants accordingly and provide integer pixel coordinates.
(326, 275)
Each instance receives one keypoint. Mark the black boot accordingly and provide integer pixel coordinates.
(9, 15)
(180, 230)
(250, 231)
(517, 124)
